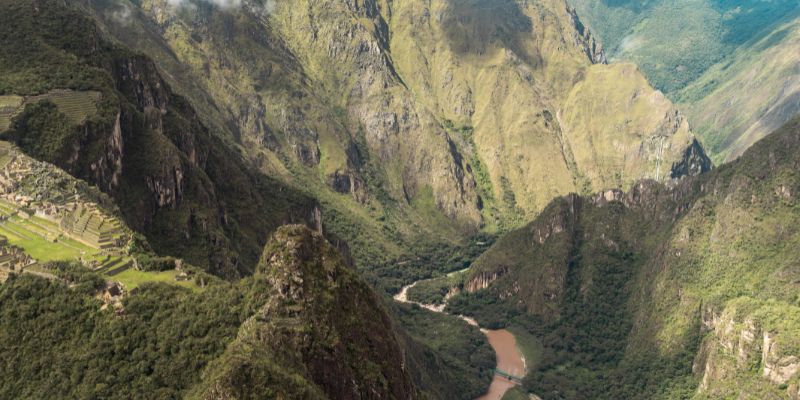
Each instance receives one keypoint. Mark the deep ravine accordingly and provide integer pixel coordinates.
(509, 358)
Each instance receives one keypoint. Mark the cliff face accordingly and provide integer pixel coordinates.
(403, 103)
(746, 337)
(698, 277)
(321, 334)
(187, 189)
(537, 112)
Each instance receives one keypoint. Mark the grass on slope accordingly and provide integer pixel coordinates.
(132, 279)
(674, 42)
(752, 93)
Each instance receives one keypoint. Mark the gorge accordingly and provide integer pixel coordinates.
(399, 199)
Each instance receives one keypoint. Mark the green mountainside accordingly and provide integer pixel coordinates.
(411, 122)
(238, 185)
(730, 65)
(192, 194)
(680, 291)
(303, 326)
(675, 42)
(755, 91)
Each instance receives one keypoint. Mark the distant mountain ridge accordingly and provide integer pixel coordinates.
(732, 66)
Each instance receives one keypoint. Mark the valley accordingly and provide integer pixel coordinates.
(399, 199)
(730, 66)
(510, 367)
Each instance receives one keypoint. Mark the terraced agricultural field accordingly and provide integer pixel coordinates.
(8, 107)
(40, 238)
(77, 106)
(133, 278)
(33, 240)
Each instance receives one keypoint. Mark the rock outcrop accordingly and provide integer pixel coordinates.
(182, 185)
(697, 275)
(321, 334)
(389, 102)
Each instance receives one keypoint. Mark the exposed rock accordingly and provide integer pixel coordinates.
(778, 368)
(694, 162)
(321, 324)
(313, 82)
(483, 280)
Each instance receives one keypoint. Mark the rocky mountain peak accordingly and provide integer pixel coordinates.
(320, 319)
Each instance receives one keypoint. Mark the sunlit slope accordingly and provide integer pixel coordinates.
(738, 102)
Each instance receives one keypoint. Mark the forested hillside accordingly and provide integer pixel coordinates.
(688, 290)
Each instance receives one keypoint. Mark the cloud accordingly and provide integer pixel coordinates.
(219, 3)
(121, 14)
(263, 7)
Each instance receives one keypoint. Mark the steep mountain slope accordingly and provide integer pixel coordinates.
(192, 194)
(661, 292)
(297, 345)
(537, 118)
(674, 42)
(731, 65)
(303, 326)
(757, 89)
(398, 119)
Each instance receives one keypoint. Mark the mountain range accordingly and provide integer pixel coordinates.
(598, 177)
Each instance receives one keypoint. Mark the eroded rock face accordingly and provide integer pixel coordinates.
(738, 346)
(320, 323)
(694, 162)
(433, 102)
(483, 280)
(778, 368)
(174, 178)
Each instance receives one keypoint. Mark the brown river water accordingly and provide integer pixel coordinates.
(509, 358)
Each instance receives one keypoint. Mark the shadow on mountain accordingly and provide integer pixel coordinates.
(750, 22)
(477, 26)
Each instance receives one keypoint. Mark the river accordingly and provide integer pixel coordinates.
(503, 342)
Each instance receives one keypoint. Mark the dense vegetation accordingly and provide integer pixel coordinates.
(77, 350)
(674, 42)
(171, 342)
(430, 261)
(452, 360)
(646, 294)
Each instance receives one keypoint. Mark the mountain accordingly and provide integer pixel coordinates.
(730, 65)
(684, 290)
(757, 89)
(255, 176)
(191, 194)
(675, 42)
(410, 122)
(304, 325)
(296, 346)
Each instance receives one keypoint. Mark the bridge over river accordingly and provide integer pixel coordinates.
(510, 362)
(506, 375)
